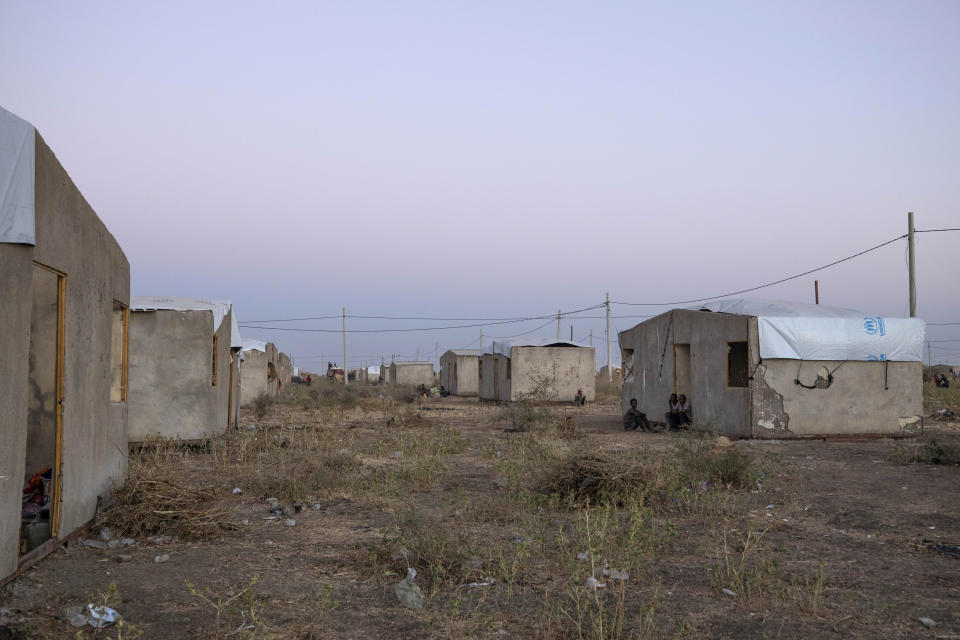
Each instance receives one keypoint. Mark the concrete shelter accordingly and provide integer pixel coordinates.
(460, 372)
(412, 373)
(184, 368)
(64, 309)
(768, 369)
(542, 369)
(285, 366)
(259, 371)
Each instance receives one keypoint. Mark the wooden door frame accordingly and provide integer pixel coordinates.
(57, 475)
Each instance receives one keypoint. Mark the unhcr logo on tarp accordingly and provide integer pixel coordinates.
(874, 326)
(881, 358)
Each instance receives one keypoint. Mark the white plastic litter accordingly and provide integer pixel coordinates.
(407, 592)
(593, 584)
(99, 616)
(237, 490)
(799, 331)
(730, 592)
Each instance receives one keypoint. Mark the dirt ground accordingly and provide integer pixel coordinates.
(832, 540)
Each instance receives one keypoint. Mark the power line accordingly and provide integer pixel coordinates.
(411, 329)
(769, 284)
(546, 324)
(935, 230)
(401, 318)
(941, 324)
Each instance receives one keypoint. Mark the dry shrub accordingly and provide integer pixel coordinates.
(562, 427)
(641, 478)
(329, 394)
(603, 478)
(441, 554)
(933, 452)
(150, 502)
(261, 405)
(702, 462)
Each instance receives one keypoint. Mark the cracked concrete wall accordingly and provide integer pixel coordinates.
(171, 392)
(713, 402)
(72, 239)
(883, 398)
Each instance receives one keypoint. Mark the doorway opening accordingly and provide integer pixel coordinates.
(40, 507)
(681, 369)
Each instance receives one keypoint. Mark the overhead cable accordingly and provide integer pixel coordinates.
(763, 286)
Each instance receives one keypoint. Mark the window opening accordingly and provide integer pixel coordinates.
(738, 369)
(119, 351)
(508, 369)
(216, 344)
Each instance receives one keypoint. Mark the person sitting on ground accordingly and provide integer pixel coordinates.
(941, 380)
(633, 418)
(673, 420)
(579, 399)
(683, 411)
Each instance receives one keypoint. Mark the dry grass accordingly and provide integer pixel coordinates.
(643, 478)
(152, 502)
(932, 452)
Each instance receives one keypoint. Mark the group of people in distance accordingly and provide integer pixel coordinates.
(677, 417)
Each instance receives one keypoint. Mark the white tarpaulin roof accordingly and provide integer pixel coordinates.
(502, 347)
(800, 331)
(375, 370)
(249, 344)
(218, 307)
(17, 156)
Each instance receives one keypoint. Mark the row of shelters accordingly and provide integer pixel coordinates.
(85, 368)
(551, 370)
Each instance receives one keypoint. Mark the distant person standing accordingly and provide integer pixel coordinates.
(579, 399)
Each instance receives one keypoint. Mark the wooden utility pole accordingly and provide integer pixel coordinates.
(591, 337)
(345, 346)
(609, 363)
(571, 332)
(481, 340)
(929, 355)
(912, 273)
(436, 355)
(558, 324)
(816, 292)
